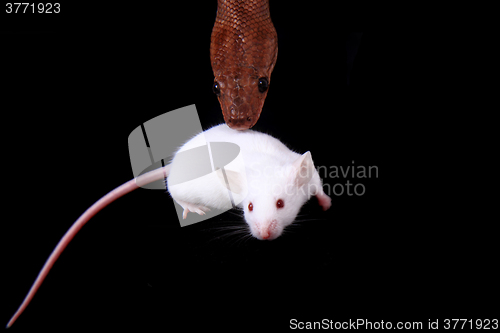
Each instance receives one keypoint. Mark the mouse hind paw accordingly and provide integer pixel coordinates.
(193, 208)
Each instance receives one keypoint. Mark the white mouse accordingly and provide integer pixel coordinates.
(275, 184)
(277, 181)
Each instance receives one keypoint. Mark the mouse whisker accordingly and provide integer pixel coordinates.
(227, 230)
(244, 238)
(227, 224)
(306, 220)
(235, 237)
(236, 212)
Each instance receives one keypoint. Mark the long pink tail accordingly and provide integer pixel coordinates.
(84, 218)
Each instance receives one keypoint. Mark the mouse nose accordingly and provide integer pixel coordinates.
(268, 231)
(265, 234)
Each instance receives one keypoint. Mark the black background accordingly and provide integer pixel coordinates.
(77, 83)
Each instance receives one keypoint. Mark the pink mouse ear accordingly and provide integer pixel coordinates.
(303, 169)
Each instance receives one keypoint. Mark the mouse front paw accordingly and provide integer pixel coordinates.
(324, 200)
(193, 208)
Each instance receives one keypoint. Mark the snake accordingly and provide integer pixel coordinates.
(243, 53)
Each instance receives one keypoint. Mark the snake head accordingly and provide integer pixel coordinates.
(243, 52)
(241, 96)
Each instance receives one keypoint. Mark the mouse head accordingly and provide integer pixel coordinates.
(276, 201)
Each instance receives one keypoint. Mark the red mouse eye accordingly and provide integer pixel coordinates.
(250, 206)
(280, 203)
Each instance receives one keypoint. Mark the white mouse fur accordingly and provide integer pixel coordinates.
(273, 172)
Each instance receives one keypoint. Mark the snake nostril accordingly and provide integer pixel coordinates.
(249, 118)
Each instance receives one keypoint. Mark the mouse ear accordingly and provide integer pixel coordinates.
(303, 169)
(233, 180)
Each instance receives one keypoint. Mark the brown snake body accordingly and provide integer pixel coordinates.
(243, 52)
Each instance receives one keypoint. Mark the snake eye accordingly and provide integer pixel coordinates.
(216, 88)
(263, 84)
